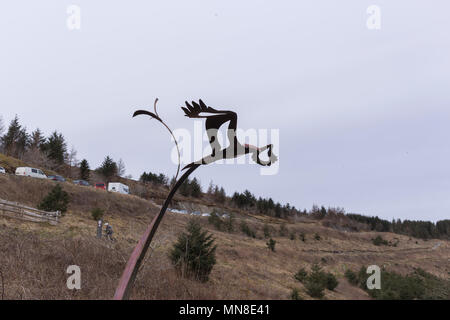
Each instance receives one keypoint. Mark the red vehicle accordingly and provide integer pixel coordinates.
(100, 185)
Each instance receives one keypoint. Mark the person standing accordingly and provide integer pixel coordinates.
(109, 231)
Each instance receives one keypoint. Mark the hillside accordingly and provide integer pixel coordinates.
(35, 256)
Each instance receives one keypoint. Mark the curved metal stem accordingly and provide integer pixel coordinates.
(176, 143)
(126, 282)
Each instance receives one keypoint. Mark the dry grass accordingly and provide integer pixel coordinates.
(34, 257)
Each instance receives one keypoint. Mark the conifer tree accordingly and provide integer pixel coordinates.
(194, 254)
(84, 170)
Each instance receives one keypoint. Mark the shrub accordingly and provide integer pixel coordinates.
(317, 236)
(194, 253)
(283, 230)
(314, 289)
(331, 281)
(246, 229)
(301, 275)
(97, 214)
(295, 294)
(292, 236)
(378, 241)
(229, 223)
(352, 277)
(56, 200)
(271, 244)
(315, 282)
(266, 231)
(302, 237)
(394, 286)
(215, 220)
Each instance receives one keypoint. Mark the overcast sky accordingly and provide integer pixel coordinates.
(363, 114)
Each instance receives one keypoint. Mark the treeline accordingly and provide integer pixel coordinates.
(51, 152)
(159, 179)
(35, 147)
(417, 229)
(266, 206)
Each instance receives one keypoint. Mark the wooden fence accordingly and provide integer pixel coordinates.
(19, 211)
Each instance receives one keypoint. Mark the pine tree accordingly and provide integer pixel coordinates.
(55, 148)
(108, 168)
(196, 189)
(37, 140)
(84, 170)
(185, 189)
(210, 188)
(15, 141)
(56, 200)
(194, 254)
(315, 283)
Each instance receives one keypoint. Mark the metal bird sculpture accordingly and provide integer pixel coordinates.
(235, 149)
(212, 124)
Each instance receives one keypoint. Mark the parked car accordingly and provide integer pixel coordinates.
(81, 182)
(100, 185)
(30, 172)
(56, 178)
(2, 170)
(118, 187)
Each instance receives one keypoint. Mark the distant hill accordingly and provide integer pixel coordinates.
(35, 256)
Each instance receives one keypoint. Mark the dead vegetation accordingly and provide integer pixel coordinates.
(34, 257)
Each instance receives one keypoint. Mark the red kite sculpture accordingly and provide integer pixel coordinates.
(235, 149)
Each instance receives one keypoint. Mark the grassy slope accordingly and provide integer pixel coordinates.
(35, 256)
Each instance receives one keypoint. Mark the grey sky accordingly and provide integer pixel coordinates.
(363, 114)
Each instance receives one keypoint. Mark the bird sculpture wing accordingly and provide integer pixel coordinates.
(194, 109)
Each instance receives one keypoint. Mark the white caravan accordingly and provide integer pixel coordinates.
(118, 187)
(30, 172)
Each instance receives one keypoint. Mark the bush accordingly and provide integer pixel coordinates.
(97, 214)
(378, 241)
(394, 286)
(317, 236)
(292, 236)
(352, 277)
(229, 223)
(56, 200)
(317, 281)
(194, 253)
(283, 230)
(301, 275)
(302, 237)
(314, 289)
(271, 244)
(215, 220)
(295, 294)
(266, 231)
(331, 281)
(246, 229)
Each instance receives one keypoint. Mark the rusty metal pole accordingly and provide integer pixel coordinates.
(126, 282)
